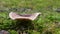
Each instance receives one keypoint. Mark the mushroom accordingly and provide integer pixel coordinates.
(24, 17)
(4, 32)
(15, 16)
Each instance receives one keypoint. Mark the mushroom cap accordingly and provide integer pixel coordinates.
(15, 16)
(4, 32)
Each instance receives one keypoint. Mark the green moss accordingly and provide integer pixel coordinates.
(45, 21)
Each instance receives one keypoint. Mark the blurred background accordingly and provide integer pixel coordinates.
(47, 23)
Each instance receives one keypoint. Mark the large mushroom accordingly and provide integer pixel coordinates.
(15, 16)
(25, 18)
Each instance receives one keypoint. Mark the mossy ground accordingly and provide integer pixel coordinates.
(47, 23)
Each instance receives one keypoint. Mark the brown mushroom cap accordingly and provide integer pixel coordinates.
(15, 16)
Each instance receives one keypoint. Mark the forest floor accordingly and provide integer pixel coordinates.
(47, 23)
